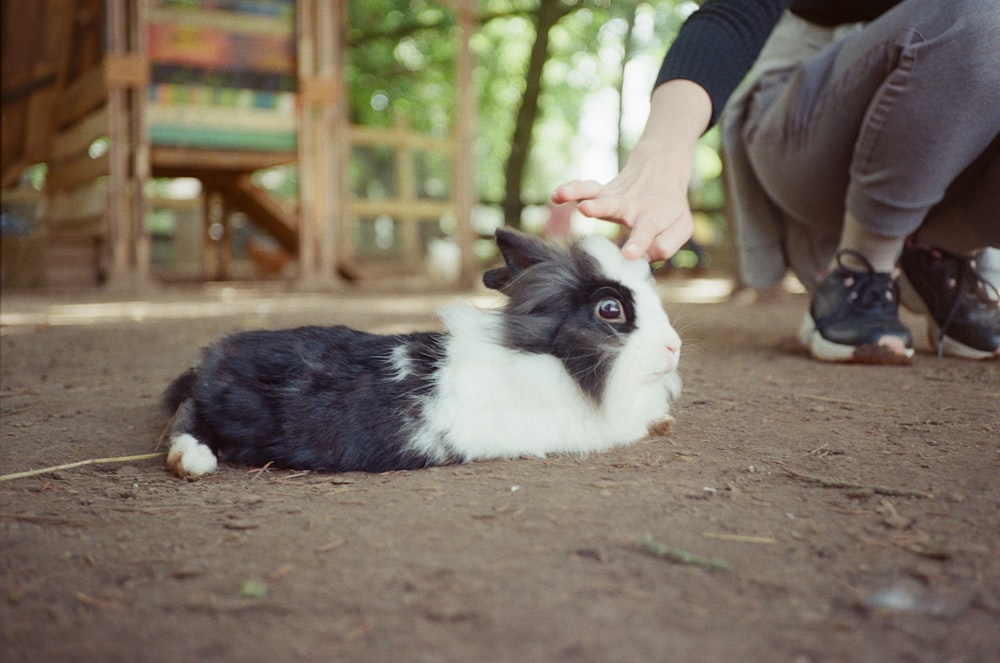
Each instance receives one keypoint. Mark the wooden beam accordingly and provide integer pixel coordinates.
(139, 139)
(81, 96)
(306, 16)
(402, 209)
(125, 70)
(76, 172)
(119, 221)
(183, 161)
(78, 206)
(265, 212)
(401, 136)
(75, 139)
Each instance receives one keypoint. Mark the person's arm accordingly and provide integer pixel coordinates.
(650, 195)
(715, 48)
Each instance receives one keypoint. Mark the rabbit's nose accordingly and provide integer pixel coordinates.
(673, 348)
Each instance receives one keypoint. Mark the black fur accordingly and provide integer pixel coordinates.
(179, 390)
(551, 307)
(322, 398)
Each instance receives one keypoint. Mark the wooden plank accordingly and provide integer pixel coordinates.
(337, 149)
(402, 209)
(75, 172)
(400, 137)
(209, 246)
(21, 27)
(141, 169)
(11, 147)
(77, 206)
(74, 259)
(119, 229)
(44, 57)
(184, 162)
(125, 70)
(92, 226)
(265, 212)
(309, 191)
(81, 96)
(77, 138)
(37, 134)
(407, 191)
(315, 90)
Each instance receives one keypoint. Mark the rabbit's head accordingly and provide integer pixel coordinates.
(588, 306)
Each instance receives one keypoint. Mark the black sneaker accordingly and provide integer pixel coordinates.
(854, 317)
(962, 306)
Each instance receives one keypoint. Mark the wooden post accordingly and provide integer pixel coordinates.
(139, 139)
(225, 243)
(406, 193)
(320, 71)
(337, 146)
(119, 234)
(465, 119)
(126, 77)
(305, 14)
(327, 36)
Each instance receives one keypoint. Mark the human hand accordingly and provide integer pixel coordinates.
(649, 195)
(642, 198)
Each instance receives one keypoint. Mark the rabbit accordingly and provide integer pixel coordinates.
(581, 358)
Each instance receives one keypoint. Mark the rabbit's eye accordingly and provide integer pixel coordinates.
(610, 309)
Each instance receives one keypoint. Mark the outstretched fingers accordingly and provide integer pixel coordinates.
(576, 191)
(658, 225)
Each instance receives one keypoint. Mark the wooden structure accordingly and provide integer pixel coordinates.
(76, 71)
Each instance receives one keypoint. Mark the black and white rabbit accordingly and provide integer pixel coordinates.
(582, 358)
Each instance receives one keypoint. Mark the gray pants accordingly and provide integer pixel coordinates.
(896, 121)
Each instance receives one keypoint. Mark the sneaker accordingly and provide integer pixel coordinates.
(854, 317)
(963, 307)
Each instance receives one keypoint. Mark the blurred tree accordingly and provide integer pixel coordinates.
(548, 13)
(539, 62)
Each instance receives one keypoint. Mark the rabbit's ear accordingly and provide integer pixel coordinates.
(497, 278)
(520, 251)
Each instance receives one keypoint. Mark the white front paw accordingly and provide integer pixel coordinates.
(190, 458)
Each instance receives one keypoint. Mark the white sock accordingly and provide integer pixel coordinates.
(988, 266)
(881, 251)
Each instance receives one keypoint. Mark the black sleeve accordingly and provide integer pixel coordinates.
(719, 43)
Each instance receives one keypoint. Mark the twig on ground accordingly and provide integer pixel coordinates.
(45, 520)
(94, 602)
(845, 401)
(256, 472)
(828, 482)
(16, 410)
(658, 549)
(740, 538)
(81, 463)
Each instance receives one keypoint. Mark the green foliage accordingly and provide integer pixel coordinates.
(401, 62)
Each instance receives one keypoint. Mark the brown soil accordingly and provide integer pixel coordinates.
(796, 512)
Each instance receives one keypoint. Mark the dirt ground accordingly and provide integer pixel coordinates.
(796, 512)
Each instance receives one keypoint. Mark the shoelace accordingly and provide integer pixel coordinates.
(967, 273)
(870, 288)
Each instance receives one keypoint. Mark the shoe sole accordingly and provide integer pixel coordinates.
(890, 350)
(912, 300)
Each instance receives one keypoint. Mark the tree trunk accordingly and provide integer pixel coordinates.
(627, 52)
(548, 14)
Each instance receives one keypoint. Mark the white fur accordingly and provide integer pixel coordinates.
(401, 362)
(493, 401)
(189, 457)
